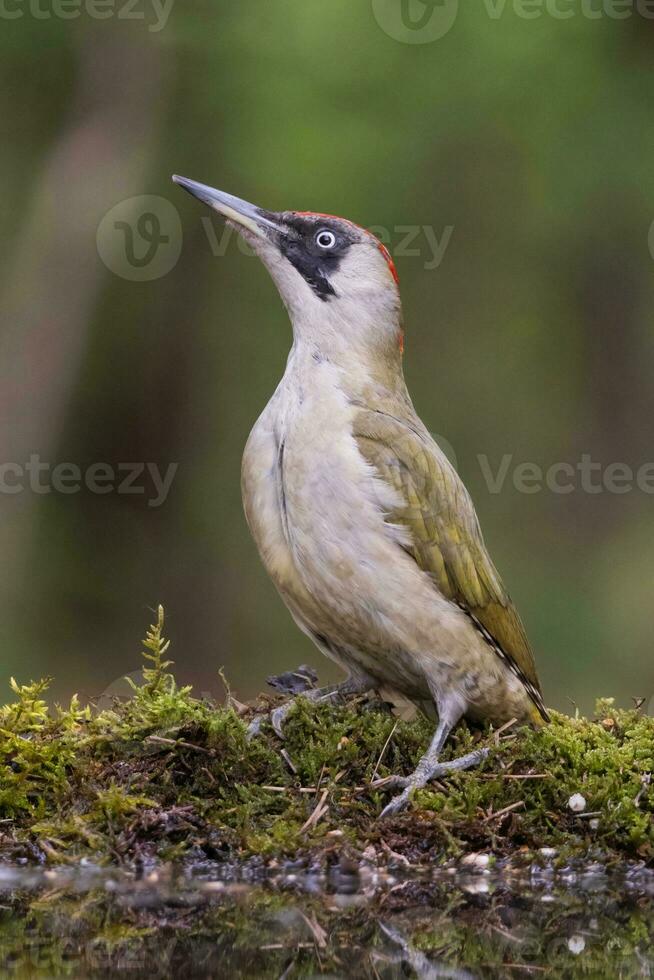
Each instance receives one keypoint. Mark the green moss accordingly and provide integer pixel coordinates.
(164, 774)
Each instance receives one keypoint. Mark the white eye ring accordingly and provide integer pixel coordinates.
(325, 239)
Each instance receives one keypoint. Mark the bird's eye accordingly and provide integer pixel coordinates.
(325, 239)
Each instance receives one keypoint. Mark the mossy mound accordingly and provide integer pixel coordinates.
(164, 775)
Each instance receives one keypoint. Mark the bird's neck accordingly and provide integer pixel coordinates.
(363, 346)
(365, 379)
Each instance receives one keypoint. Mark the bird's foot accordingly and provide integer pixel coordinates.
(424, 774)
(278, 716)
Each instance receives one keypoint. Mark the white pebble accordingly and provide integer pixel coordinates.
(577, 803)
(576, 944)
(477, 860)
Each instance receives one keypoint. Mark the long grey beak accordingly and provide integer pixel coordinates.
(240, 212)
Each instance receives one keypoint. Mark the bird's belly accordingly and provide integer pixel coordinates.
(264, 508)
(317, 514)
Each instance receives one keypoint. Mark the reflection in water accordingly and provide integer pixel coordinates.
(351, 921)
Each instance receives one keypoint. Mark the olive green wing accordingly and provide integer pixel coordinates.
(446, 540)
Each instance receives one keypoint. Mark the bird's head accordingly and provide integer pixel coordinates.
(336, 279)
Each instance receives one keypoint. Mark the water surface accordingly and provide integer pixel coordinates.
(468, 921)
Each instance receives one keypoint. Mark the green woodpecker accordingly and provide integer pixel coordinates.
(360, 520)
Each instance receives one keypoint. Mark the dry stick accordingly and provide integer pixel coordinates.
(509, 935)
(505, 727)
(292, 946)
(178, 742)
(316, 930)
(501, 813)
(399, 857)
(289, 762)
(320, 810)
(508, 724)
(527, 967)
(314, 789)
(322, 773)
(383, 752)
(509, 775)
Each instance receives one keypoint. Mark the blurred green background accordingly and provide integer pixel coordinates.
(529, 137)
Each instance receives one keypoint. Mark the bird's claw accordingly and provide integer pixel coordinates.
(409, 785)
(317, 695)
(277, 717)
(254, 728)
(399, 802)
(420, 778)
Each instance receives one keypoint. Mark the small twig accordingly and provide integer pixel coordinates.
(321, 808)
(292, 946)
(317, 930)
(526, 966)
(230, 700)
(509, 935)
(502, 813)
(289, 762)
(322, 773)
(179, 743)
(383, 752)
(509, 775)
(391, 891)
(314, 789)
(398, 857)
(505, 726)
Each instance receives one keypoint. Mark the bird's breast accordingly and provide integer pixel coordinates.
(318, 512)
